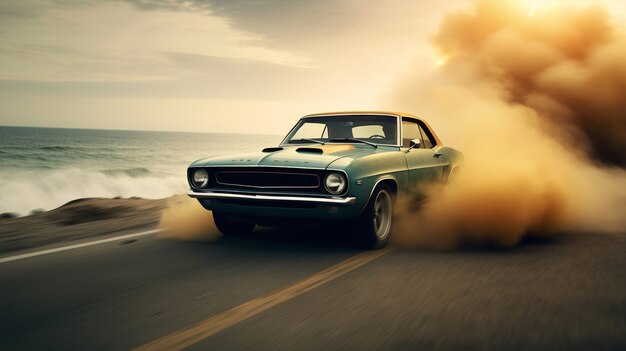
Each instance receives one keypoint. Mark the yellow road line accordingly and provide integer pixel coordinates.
(184, 338)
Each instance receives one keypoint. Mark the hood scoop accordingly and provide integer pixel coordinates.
(272, 149)
(310, 150)
(326, 149)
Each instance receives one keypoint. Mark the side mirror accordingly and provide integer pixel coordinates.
(415, 143)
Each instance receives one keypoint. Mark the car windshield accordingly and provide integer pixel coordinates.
(381, 130)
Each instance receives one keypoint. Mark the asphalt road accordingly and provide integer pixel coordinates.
(566, 294)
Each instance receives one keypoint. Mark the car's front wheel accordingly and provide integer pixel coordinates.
(231, 227)
(376, 220)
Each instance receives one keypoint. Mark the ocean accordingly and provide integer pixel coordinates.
(44, 168)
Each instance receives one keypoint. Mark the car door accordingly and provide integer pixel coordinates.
(424, 165)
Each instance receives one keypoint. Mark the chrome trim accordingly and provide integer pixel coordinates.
(258, 166)
(211, 195)
(424, 127)
(193, 178)
(345, 179)
(270, 187)
(399, 140)
(347, 189)
(354, 113)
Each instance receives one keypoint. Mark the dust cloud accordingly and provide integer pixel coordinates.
(538, 105)
(185, 219)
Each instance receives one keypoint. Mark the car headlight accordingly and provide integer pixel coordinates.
(200, 178)
(335, 183)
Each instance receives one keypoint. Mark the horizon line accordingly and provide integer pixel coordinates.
(134, 130)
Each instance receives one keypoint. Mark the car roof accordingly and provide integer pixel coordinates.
(385, 113)
(340, 113)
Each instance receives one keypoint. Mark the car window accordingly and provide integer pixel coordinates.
(311, 131)
(374, 129)
(428, 140)
(410, 131)
(364, 132)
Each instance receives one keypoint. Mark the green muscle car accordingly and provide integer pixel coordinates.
(355, 167)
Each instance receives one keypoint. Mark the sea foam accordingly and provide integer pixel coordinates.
(44, 168)
(47, 190)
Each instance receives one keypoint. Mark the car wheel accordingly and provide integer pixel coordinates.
(231, 227)
(377, 218)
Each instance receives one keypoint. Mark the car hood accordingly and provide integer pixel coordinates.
(313, 156)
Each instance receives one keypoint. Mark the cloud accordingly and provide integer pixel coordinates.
(17, 11)
(311, 57)
(198, 76)
(351, 36)
(77, 41)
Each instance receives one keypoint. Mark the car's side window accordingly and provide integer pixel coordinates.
(410, 131)
(428, 140)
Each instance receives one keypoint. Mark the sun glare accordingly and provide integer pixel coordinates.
(537, 5)
(441, 60)
(532, 9)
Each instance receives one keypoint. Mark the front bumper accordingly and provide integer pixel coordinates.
(320, 200)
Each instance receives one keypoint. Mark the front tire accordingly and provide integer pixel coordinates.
(230, 227)
(375, 224)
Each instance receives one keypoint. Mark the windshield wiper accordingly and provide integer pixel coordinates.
(309, 140)
(356, 140)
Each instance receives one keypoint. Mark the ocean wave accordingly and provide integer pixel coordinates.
(8, 156)
(57, 148)
(131, 172)
(50, 189)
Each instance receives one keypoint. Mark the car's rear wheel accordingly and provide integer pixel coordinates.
(376, 221)
(231, 227)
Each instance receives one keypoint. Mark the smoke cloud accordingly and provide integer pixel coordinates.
(538, 105)
(185, 219)
(565, 62)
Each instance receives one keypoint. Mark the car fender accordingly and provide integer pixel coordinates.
(453, 159)
(367, 172)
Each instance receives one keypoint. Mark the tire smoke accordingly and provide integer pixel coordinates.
(185, 219)
(538, 106)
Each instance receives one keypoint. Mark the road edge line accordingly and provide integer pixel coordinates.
(75, 246)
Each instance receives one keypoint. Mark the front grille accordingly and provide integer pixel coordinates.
(268, 179)
(261, 203)
(264, 180)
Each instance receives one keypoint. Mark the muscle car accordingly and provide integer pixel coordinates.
(352, 167)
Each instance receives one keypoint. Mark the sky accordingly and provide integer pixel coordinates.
(211, 65)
